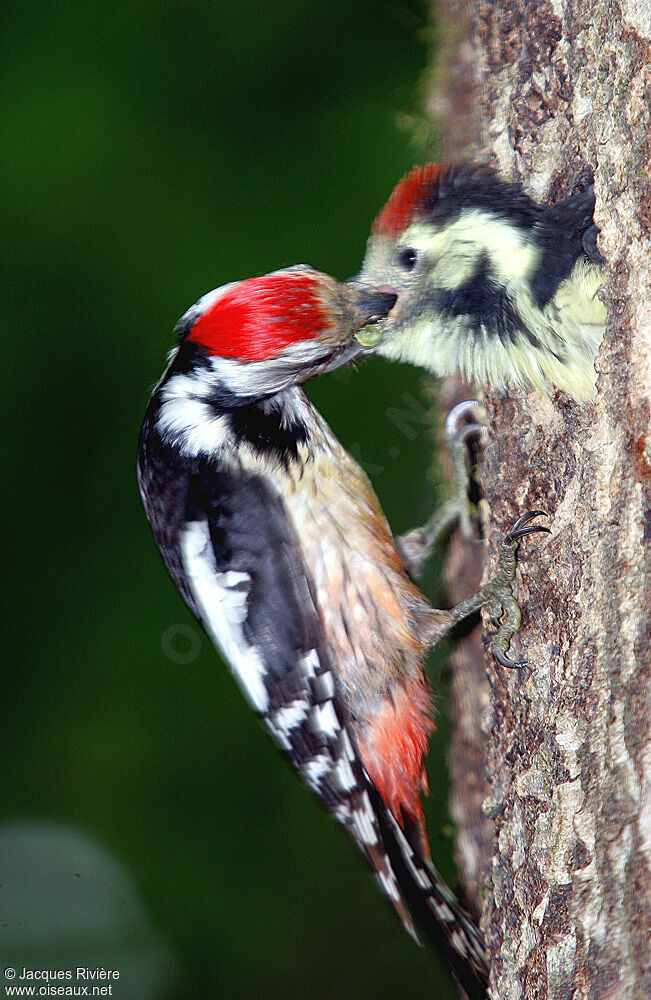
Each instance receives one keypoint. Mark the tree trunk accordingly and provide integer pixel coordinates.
(559, 838)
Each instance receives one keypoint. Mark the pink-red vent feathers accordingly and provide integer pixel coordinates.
(393, 750)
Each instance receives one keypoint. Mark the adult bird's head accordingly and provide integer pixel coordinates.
(261, 335)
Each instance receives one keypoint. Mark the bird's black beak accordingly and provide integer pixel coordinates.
(377, 303)
(373, 304)
(370, 302)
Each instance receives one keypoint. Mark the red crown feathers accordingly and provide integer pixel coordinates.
(257, 318)
(409, 197)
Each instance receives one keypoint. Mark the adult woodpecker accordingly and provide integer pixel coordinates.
(276, 541)
(491, 284)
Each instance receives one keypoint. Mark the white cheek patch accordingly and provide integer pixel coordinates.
(511, 255)
(186, 418)
(193, 426)
(222, 601)
(275, 374)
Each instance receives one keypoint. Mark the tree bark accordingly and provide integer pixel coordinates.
(560, 835)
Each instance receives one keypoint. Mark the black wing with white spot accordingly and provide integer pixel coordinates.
(243, 568)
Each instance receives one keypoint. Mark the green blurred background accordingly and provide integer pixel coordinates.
(152, 151)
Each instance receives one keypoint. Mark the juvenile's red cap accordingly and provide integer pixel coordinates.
(258, 318)
(410, 196)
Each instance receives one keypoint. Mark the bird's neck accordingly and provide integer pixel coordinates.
(202, 411)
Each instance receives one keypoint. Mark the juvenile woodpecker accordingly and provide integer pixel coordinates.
(490, 283)
(276, 540)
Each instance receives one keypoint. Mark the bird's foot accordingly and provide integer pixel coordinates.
(461, 426)
(464, 425)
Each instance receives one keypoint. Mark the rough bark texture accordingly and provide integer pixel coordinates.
(557, 88)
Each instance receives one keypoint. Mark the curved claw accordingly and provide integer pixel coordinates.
(457, 413)
(454, 430)
(519, 530)
(471, 430)
(528, 531)
(506, 661)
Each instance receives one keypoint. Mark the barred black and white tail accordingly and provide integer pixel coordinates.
(437, 913)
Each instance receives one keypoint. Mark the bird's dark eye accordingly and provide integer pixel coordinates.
(407, 258)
